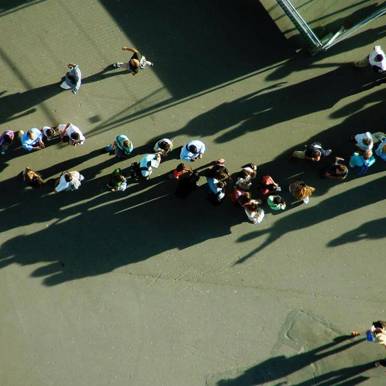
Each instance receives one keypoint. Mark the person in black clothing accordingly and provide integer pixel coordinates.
(137, 61)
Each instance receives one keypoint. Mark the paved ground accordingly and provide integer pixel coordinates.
(142, 289)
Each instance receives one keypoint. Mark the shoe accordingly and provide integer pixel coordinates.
(116, 65)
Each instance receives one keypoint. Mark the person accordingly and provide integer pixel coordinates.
(245, 177)
(147, 163)
(118, 182)
(122, 147)
(364, 141)
(32, 178)
(381, 150)
(301, 191)
(137, 61)
(50, 133)
(376, 60)
(73, 78)
(313, 152)
(337, 171)
(179, 171)
(268, 186)
(164, 146)
(6, 139)
(276, 202)
(192, 151)
(70, 133)
(377, 334)
(253, 210)
(32, 139)
(362, 161)
(187, 183)
(237, 193)
(69, 181)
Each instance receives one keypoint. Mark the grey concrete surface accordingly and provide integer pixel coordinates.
(140, 288)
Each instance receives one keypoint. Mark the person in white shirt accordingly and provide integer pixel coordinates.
(71, 134)
(73, 78)
(364, 141)
(163, 146)
(192, 151)
(376, 60)
(69, 181)
(148, 162)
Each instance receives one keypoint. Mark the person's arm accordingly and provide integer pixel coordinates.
(133, 50)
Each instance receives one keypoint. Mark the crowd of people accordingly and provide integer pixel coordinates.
(220, 182)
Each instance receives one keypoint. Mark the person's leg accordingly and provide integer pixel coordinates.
(121, 65)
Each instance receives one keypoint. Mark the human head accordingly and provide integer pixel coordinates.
(49, 132)
(164, 145)
(367, 141)
(68, 177)
(220, 184)
(31, 134)
(244, 199)
(180, 167)
(134, 64)
(193, 149)
(7, 139)
(75, 136)
(378, 58)
(278, 200)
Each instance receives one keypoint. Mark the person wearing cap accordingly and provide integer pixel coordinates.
(147, 163)
(376, 60)
(32, 139)
(6, 140)
(73, 78)
(71, 134)
(137, 61)
(69, 181)
(192, 151)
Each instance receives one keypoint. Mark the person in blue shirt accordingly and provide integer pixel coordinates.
(362, 162)
(32, 140)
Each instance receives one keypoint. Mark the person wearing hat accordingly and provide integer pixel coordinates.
(32, 139)
(147, 163)
(376, 60)
(192, 151)
(137, 61)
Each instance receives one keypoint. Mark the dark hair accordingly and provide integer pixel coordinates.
(244, 199)
(68, 177)
(378, 58)
(164, 145)
(180, 167)
(278, 200)
(192, 148)
(220, 184)
(7, 138)
(75, 135)
(49, 132)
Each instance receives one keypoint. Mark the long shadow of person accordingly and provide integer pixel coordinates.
(23, 103)
(110, 230)
(281, 366)
(375, 229)
(349, 200)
